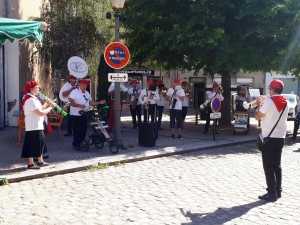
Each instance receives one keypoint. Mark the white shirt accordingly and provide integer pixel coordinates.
(298, 104)
(212, 94)
(81, 99)
(270, 118)
(134, 92)
(185, 102)
(144, 96)
(161, 101)
(112, 88)
(179, 92)
(66, 87)
(33, 121)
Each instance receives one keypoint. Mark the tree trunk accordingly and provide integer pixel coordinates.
(225, 119)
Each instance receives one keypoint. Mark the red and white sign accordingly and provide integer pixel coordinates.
(116, 55)
(215, 105)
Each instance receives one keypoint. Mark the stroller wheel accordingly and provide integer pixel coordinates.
(113, 147)
(84, 145)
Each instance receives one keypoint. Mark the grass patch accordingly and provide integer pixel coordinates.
(94, 168)
(120, 163)
(4, 182)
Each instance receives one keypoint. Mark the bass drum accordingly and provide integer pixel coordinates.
(61, 97)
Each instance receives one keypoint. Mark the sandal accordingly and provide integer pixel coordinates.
(41, 164)
(33, 167)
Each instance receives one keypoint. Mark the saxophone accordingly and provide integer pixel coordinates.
(135, 101)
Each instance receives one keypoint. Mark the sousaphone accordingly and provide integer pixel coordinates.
(78, 68)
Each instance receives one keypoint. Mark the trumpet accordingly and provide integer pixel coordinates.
(220, 89)
(246, 105)
(59, 110)
(187, 92)
(164, 90)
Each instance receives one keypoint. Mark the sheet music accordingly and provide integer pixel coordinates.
(254, 93)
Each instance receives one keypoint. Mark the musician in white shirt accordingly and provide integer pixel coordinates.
(66, 90)
(160, 105)
(215, 92)
(175, 97)
(135, 105)
(148, 99)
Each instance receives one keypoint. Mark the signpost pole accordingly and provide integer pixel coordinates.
(214, 130)
(117, 106)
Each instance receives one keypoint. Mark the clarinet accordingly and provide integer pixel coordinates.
(59, 110)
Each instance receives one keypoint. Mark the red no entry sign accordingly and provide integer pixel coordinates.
(116, 55)
(216, 104)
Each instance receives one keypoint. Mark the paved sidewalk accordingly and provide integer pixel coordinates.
(64, 159)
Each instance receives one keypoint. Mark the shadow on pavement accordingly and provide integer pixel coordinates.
(221, 215)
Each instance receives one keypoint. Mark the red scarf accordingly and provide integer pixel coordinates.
(279, 102)
(25, 98)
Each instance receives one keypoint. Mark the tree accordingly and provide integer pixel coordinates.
(220, 36)
(76, 29)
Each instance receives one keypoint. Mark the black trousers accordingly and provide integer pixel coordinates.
(69, 121)
(137, 112)
(296, 127)
(271, 158)
(79, 129)
(159, 113)
(151, 111)
(208, 119)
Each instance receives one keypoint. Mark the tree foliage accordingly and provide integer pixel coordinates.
(76, 28)
(217, 35)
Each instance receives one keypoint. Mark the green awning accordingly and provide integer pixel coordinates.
(11, 29)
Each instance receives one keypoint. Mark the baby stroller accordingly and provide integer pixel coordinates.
(99, 135)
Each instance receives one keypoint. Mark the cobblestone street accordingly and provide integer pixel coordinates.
(216, 186)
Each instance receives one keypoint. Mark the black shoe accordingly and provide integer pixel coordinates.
(278, 194)
(159, 128)
(172, 136)
(216, 132)
(269, 198)
(68, 134)
(205, 132)
(180, 137)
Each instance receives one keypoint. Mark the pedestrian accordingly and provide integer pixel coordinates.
(34, 142)
(66, 90)
(215, 92)
(175, 97)
(270, 110)
(80, 100)
(296, 121)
